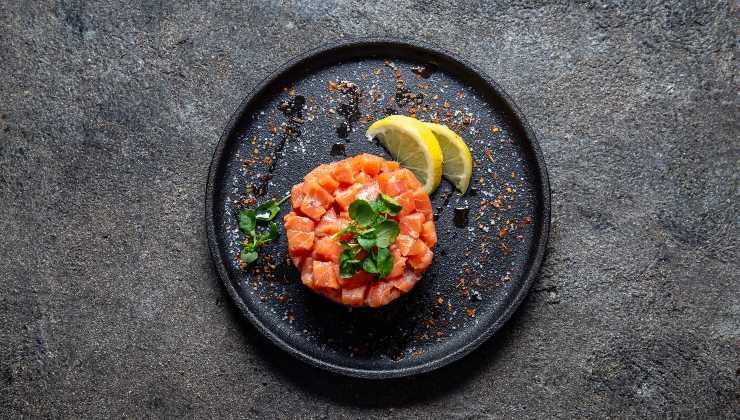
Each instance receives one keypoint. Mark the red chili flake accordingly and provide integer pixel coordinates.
(281, 299)
(467, 120)
(503, 232)
(494, 129)
(440, 300)
(527, 220)
(446, 105)
(471, 312)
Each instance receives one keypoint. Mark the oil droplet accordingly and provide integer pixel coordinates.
(343, 130)
(338, 149)
(461, 216)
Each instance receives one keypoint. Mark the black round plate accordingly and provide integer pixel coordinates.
(296, 119)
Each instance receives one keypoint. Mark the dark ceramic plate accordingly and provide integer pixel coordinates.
(296, 119)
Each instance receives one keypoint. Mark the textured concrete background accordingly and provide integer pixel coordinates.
(109, 114)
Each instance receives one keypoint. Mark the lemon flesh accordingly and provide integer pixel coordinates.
(457, 163)
(413, 145)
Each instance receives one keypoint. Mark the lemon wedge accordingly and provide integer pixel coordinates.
(457, 163)
(413, 145)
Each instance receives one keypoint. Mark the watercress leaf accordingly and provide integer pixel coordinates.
(273, 233)
(248, 256)
(267, 213)
(247, 221)
(361, 212)
(384, 262)
(348, 267)
(366, 243)
(391, 205)
(386, 233)
(378, 206)
(368, 264)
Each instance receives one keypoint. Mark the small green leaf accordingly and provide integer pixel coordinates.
(361, 212)
(366, 243)
(368, 264)
(248, 257)
(271, 234)
(392, 207)
(247, 221)
(386, 233)
(384, 262)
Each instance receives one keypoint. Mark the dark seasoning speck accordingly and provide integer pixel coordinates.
(488, 220)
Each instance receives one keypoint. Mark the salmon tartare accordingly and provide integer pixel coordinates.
(318, 223)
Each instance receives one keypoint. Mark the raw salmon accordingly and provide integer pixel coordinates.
(319, 211)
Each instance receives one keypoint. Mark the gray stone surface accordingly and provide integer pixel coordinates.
(108, 117)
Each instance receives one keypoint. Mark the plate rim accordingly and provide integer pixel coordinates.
(214, 248)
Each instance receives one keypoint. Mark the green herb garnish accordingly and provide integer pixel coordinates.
(249, 220)
(371, 231)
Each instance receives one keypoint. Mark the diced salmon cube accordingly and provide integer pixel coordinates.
(411, 224)
(399, 263)
(314, 191)
(418, 248)
(363, 178)
(369, 192)
(422, 203)
(316, 200)
(358, 279)
(312, 209)
(390, 166)
(429, 234)
(327, 249)
(296, 195)
(346, 196)
(391, 184)
(299, 241)
(421, 262)
(404, 243)
(343, 172)
(299, 223)
(381, 293)
(323, 176)
(330, 224)
(370, 164)
(407, 202)
(354, 296)
(406, 281)
(325, 274)
(412, 183)
(307, 272)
